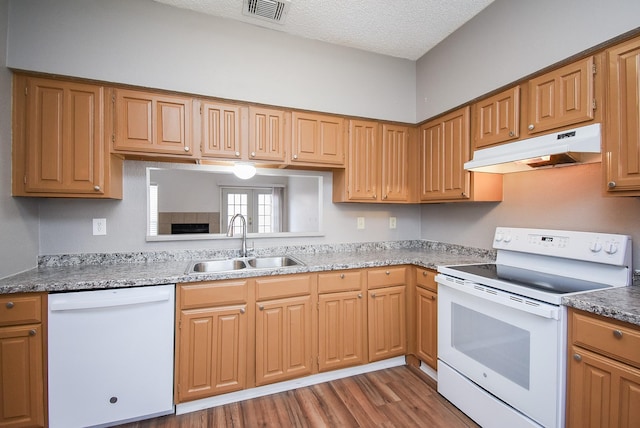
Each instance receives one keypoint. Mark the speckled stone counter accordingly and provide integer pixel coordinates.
(621, 303)
(99, 271)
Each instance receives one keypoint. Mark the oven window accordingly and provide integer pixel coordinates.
(499, 346)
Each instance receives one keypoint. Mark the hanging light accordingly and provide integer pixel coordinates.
(244, 171)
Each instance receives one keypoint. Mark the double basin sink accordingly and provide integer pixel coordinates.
(242, 263)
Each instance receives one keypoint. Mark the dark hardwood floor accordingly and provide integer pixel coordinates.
(397, 397)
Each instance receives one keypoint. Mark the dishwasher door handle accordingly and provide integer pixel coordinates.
(92, 303)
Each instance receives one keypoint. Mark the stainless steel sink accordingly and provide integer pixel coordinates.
(230, 265)
(273, 262)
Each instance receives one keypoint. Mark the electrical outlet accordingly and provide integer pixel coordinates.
(99, 226)
(392, 222)
(360, 222)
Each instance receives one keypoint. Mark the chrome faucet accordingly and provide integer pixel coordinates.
(243, 250)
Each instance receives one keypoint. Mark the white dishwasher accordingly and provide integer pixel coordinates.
(110, 355)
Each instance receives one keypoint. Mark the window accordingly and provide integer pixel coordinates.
(261, 207)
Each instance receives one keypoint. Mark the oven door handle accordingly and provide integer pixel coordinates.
(500, 297)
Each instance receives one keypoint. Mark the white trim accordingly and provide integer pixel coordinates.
(289, 385)
(429, 371)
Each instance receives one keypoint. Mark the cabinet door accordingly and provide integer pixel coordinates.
(430, 161)
(221, 131)
(496, 119)
(152, 123)
(21, 371)
(387, 323)
(341, 330)
(212, 348)
(561, 97)
(622, 145)
(427, 326)
(602, 392)
(65, 137)
(396, 161)
(283, 339)
(267, 137)
(363, 161)
(317, 139)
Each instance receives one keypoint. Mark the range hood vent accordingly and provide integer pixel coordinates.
(571, 147)
(268, 10)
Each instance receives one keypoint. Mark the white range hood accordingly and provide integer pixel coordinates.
(569, 147)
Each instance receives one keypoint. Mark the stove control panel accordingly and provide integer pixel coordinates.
(605, 248)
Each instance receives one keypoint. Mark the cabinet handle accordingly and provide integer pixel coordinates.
(10, 305)
(237, 154)
(433, 297)
(611, 184)
(463, 194)
(387, 272)
(242, 310)
(341, 276)
(295, 157)
(374, 196)
(96, 188)
(617, 334)
(32, 332)
(531, 127)
(261, 307)
(186, 149)
(384, 197)
(511, 133)
(373, 295)
(577, 357)
(424, 273)
(359, 295)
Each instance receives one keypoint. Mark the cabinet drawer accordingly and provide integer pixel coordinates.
(426, 278)
(339, 281)
(386, 277)
(215, 293)
(616, 340)
(20, 309)
(282, 286)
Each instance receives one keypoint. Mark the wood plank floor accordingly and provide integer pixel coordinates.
(398, 397)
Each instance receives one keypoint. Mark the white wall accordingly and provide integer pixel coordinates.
(511, 39)
(145, 43)
(18, 216)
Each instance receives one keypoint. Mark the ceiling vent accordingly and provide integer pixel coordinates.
(268, 10)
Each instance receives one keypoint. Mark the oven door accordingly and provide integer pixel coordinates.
(509, 346)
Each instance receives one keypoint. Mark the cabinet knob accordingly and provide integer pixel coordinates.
(387, 272)
(463, 194)
(617, 334)
(242, 310)
(611, 184)
(186, 149)
(359, 295)
(295, 157)
(237, 154)
(32, 332)
(10, 305)
(374, 196)
(531, 127)
(384, 197)
(253, 154)
(577, 357)
(424, 273)
(433, 297)
(341, 276)
(373, 295)
(261, 307)
(511, 133)
(96, 188)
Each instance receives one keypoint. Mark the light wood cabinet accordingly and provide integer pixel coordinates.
(396, 161)
(152, 123)
(426, 317)
(211, 339)
(496, 119)
(317, 139)
(444, 148)
(387, 315)
(222, 130)
(562, 97)
(22, 362)
(341, 320)
(59, 141)
(268, 134)
(284, 328)
(604, 372)
(621, 157)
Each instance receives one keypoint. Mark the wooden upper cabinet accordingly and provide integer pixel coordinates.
(621, 158)
(222, 131)
(562, 97)
(59, 141)
(363, 167)
(268, 136)
(396, 161)
(317, 139)
(496, 119)
(152, 123)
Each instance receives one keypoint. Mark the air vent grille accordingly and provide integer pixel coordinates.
(268, 10)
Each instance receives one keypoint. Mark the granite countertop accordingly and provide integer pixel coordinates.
(622, 303)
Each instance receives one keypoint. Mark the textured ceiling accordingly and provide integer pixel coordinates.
(399, 28)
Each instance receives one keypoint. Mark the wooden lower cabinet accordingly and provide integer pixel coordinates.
(283, 339)
(22, 361)
(213, 351)
(603, 372)
(387, 322)
(426, 324)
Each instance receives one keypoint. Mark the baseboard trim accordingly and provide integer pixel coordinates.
(261, 391)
